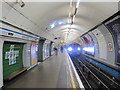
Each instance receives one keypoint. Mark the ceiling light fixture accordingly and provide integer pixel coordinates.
(73, 18)
(78, 3)
(72, 14)
(52, 26)
(71, 3)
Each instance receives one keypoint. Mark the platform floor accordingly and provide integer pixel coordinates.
(52, 73)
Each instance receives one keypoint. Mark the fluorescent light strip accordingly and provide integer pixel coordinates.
(69, 16)
(71, 1)
(73, 18)
(78, 3)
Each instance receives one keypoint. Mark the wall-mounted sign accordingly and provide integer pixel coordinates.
(33, 53)
(110, 47)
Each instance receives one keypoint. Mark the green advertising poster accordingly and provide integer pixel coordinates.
(12, 58)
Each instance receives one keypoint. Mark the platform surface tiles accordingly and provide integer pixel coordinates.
(54, 72)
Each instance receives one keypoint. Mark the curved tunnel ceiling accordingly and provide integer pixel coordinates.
(89, 15)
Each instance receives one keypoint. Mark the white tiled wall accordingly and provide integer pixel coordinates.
(102, 44)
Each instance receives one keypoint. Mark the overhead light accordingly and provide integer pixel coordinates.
(73, 18)
(78, 3)
(69, 20)
(73, 11)
(60, 23)
(52, 26)
(71, 1)
(69, 14)
(56, 23)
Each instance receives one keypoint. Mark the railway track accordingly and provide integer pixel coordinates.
(92, 76)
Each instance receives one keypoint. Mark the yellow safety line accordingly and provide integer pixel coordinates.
(72, 78)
